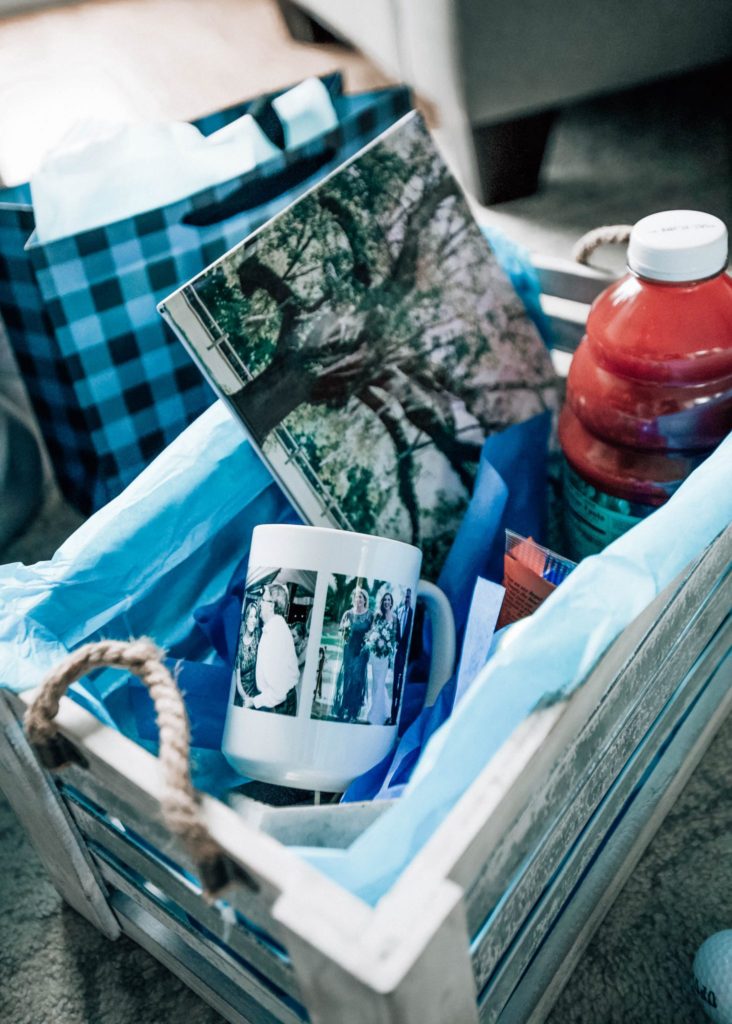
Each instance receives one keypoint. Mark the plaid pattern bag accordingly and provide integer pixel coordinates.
(110, 384)
(30, 332)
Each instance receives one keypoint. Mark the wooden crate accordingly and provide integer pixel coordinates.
(489, 919)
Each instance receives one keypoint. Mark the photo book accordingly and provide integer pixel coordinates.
(370, 342)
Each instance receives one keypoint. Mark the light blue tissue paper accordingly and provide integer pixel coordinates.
(510, 491)
(141, 564)
(516, 262)
(549, 653)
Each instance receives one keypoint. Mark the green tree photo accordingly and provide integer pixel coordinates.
(374, 334)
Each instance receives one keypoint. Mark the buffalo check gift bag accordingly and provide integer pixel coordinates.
(110, 384)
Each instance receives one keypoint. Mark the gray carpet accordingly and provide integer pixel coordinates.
(611, 161)
(618, 158)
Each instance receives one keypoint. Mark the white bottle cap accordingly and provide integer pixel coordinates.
(678, 245)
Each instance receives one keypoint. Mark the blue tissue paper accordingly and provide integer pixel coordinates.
(501, 497)
(168, 544)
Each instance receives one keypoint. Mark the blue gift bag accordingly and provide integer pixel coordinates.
(110, 384)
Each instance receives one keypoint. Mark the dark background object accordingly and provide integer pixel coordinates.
(496, 72)
(21, 476)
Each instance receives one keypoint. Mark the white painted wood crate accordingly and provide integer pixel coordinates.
(490, 918)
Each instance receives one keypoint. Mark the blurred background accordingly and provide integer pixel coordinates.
(557, 118)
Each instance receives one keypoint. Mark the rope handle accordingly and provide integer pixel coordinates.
(614, 234)
(179, 806)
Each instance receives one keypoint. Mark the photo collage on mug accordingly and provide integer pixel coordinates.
(361, 654)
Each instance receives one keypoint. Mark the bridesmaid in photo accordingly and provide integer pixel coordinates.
(351, 685)
(382, 642)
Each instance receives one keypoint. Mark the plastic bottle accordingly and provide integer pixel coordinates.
(649, 391)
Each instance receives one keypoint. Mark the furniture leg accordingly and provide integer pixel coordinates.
(508, 156)
(302, 27)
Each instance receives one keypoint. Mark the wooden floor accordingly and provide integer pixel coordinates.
(144, 60)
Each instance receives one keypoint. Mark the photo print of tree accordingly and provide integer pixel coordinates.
(370, 342)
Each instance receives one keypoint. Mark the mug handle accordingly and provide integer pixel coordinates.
(443, 638)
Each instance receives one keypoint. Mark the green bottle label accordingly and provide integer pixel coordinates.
(593, 519)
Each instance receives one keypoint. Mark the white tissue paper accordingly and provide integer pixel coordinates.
(305, 111)
(103, 172)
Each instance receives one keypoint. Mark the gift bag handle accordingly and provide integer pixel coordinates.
(179, 806)
(612, 234)
(261, 189)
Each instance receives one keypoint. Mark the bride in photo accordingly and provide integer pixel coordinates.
(382, 643)
(247, 655)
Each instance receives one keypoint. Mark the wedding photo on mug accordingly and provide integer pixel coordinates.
(273, 639)
(363, 651)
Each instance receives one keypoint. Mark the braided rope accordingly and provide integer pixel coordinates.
(615, 234)
(143, 659)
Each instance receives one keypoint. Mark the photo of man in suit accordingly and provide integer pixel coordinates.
(405, 616)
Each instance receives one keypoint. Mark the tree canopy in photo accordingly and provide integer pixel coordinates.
(376, 298)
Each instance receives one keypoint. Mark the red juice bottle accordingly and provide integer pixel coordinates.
(649, 391)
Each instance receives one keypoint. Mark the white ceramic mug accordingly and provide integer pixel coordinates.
(319, 676)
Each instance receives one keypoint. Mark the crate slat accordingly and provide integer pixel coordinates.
(548, 906)
(333, 825)
(143, 818)
(551, 968)
(254, 1000)
(48, 824)
(589, 767)
(489, 832)
(632, 743)
(569, 280)
(221, 923)
(419, 969)
(126, 781)
(567, 320)
(178, 956)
